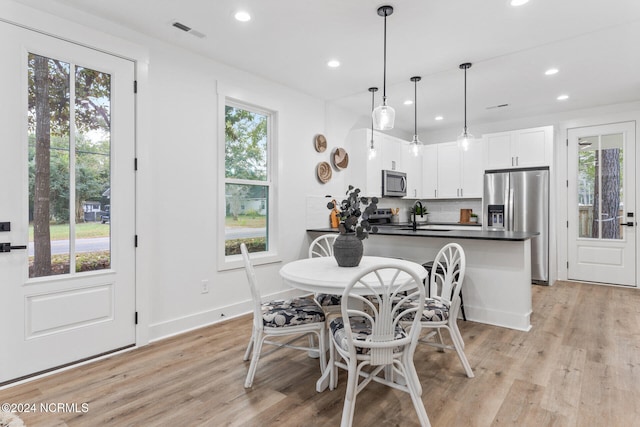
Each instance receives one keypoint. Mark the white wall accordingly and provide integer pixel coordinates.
(177, 137)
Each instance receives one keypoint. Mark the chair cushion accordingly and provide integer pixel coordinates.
(328, 300)
(434, 311)
(297, 311)
(361, 328)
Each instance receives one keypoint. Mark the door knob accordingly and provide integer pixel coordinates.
(6, 247)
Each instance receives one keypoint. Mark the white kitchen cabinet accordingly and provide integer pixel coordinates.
(459, 172)
(392, 153)
(430, 171)
(412, 165)
(472, 173)
(449, 171)
(364, 172)
(519, 148)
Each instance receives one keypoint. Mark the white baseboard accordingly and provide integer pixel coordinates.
(180, 325)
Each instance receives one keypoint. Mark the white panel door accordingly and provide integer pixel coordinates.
(602, 206)
(70, 294)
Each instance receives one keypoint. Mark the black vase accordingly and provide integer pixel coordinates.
(348, 250)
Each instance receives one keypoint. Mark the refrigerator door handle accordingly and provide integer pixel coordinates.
(510, 215)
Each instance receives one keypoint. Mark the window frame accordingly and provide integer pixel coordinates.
(271, 255)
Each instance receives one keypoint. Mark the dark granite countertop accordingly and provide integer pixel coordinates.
(479, 234)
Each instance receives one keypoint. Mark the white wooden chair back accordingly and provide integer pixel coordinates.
(394, 289)
(447, 275)
(322, 246)
(253, 287)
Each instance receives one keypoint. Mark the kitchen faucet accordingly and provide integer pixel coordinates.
(413, 211)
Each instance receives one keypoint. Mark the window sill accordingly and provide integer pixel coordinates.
(234, 262)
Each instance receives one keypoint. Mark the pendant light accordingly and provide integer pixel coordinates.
(384, 116)
(415, 144)
(465, 138)
(372, 148)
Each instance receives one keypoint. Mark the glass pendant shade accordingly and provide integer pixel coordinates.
(465, 140)
(415, 146)
(384, 117)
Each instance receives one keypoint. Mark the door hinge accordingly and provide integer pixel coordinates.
(136, 318)
(135, 164)
(567, 183)
(567, 142)
(135, 241)
(135, 86)
(567, 264)
(567, 224)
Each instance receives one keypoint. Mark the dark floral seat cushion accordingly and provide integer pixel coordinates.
(328, 300)
(361, 328)
(297, 311)
(434, 311)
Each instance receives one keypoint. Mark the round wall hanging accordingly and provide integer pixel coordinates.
(320, 143)
(324, 172)
(340, 158)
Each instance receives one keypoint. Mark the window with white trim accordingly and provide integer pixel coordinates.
(248, 178)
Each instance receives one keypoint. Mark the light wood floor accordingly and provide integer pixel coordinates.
(578, 366)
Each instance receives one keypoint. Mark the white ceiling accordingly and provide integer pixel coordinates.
(594, 43)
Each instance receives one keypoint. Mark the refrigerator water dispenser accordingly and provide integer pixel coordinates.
(495, 216)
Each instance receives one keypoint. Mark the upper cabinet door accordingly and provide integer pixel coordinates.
(449, 171)
(519, 148)
(412, 165)
(392, 149)
(430, 171)
(533, 146)
(473, 170)
(498, 150)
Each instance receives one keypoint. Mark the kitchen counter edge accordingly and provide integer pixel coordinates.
(452, 234)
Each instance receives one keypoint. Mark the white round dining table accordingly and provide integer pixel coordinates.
(324, 275)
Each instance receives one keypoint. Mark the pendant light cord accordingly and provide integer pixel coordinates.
(465, 100)
(415, 109)
(384, 72)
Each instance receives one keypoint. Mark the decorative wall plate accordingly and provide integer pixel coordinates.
(340, 158)
(324, 172)
(320, 143)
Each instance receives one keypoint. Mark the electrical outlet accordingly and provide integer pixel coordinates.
(205, 286)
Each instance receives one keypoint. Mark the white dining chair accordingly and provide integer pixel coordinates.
(322, 246)
(442, 307)
(369, 341)
(294, 318)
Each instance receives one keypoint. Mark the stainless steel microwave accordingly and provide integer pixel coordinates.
(394, 184)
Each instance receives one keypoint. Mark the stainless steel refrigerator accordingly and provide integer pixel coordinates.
(518, 200)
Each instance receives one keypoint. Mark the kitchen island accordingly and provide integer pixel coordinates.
(497, 283)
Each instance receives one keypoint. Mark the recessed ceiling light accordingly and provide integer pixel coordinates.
(439, 118)
(334, 63)
(408, 102)
(242, 16)
(518, 2)
(562, 97)
(551, 72)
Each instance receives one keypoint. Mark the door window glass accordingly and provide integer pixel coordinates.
(69, 230)
(600, 186)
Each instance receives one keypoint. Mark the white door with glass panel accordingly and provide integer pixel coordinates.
(602, 206)
(67, 256)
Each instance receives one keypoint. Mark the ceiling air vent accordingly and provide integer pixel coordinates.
(189, 30)
(497, 106)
